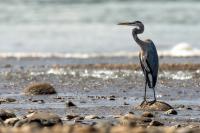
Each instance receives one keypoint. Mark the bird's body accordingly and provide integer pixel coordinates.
(148, 56)
(149, 63)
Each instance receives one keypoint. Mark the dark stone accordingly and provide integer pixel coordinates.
(40, 89)
(147, 114)
(70, 104)
(156, 123)
(6, 114)
(171, 112)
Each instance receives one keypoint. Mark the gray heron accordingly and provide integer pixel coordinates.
(148, 57)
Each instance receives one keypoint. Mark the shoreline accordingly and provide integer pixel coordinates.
(162, 67)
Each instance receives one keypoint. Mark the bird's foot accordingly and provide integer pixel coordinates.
(143, 102)
(152, 102)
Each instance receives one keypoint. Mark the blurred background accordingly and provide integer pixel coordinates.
(89, 26)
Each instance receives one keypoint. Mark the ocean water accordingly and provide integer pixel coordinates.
(89, 26)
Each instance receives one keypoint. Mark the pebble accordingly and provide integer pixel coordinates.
(147, 114)
(70, 104)
(39, 89)
(7, 100)
(11, 121)
(6, 114)
(40, 119)
(156, 123)
(112, 98)
(70, 117)
(38, 101)
(171, 112)
(8, 66)
(89, 117)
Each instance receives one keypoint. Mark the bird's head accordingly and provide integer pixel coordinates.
(135, 23)
(139, 26)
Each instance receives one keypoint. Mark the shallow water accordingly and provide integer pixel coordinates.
(90, 88)
(66, 26)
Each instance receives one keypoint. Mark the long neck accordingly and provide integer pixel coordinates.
(137, 31)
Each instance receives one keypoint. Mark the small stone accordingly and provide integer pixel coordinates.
(6, 114)
(177, 126)
(171, 112)
(7, 65)
(89, 117)
(147, 114)
(126, 122)
(156, 123)
(189, 108)
(40, 119)
(103, 126)
(125, 103)
(39, 89)
(145, 119)
(38, 101)
(70, 117)
(7, 100)
(11, 121)
(186, 130)
(20, 123)
(112, 98)
(70, 104)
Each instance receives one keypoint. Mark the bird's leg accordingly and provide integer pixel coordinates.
(154, 95)
(145, 99)
(152, 102)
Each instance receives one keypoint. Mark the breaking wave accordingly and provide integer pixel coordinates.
(179, 50)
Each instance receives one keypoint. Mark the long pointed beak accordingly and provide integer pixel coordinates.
(126, 23)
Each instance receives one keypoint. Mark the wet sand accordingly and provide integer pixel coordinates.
(104, 87)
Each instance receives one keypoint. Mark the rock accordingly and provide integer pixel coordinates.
(132, 120)
(89, 117)
(20, 122)
(39, 89)
(177, 126)
(70, 104)
(7, 65)
(147, 114)
(103, 126)
(156, 123)
(40, 119)
(157, 106)
(186, 130)
(145, 119)
(1, 123)
(70, 117)
(11, 121)
(171, 112)
(6, 114)
(7, 100)
(112, 98)
(38, 101)
(125, 103)
(127, 122)
(84, 129)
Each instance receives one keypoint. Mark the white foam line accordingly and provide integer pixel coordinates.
(96, 55)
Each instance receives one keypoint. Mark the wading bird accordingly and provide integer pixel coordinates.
(148, 57)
